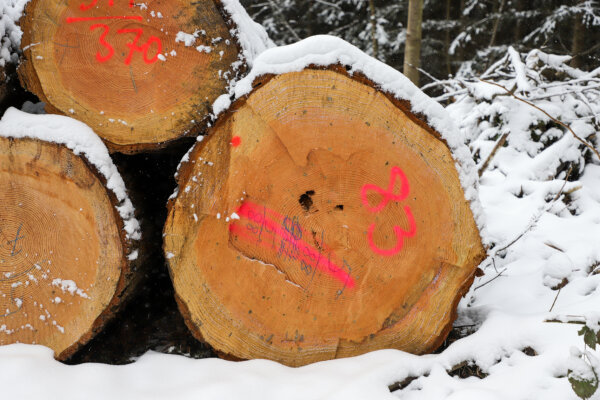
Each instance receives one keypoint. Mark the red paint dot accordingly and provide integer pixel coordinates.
(236, 141)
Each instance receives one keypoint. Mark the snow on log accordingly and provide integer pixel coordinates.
(67, 233)
(324, 215)
(141, 74)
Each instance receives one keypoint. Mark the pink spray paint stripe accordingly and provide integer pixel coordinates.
(70, 20)
(306, 252)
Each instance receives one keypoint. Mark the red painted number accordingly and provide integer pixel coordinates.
(387, 195)
(133, 47)
(85, 7)
(104, 43)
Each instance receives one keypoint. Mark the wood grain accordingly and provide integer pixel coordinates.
(353, 233)
(102, 65)
(63, 254)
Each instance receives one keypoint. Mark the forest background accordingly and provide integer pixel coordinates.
(459, 38)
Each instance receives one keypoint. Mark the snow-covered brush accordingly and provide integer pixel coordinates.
(531, 122)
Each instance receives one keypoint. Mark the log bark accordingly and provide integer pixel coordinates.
(320, 219)
(124, 68)
(65, 263)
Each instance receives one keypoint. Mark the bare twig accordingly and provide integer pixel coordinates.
(554, 302)
(558, 321)
(584, 142)
(491, 280)
(562, 188)
(574, 91)
(497, 147)
(495, 66)
(464, 326)
(283, 19)
(326, 3)
(553, 246)
(441, 82)
(433, 78)
(536, 218)
(450, 95)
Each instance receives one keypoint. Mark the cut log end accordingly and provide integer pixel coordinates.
(320, 220)
(141, 74)
(63, 253)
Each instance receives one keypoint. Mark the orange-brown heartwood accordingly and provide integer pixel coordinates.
(64, 264)
(320, 219)
(140, 74)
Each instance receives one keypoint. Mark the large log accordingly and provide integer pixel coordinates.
(67, 233)
(323, 217)
(141, 74)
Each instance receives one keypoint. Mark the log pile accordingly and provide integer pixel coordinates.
(322, 216)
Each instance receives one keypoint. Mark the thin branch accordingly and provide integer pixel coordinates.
(558, 321)
(562, 188)
(554, 302)
(494, 66)
(446, 83)
(536, 218)
(433, 78)
(588, 51)
(497, 147)
(491, 280)
(326, 3)
(341, 28)
(464, 326)
(284, 20)
(574, 91)
(584, 142)
(447, 96)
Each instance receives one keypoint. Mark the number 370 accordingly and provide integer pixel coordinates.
(133, 46)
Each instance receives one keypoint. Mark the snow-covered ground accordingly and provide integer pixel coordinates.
(541, 201)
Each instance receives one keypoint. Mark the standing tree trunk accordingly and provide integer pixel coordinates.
(321, 218)
(518, 32)
(141, 74)
(373, 20)
(412, 54)
(578, 43)
(499, 10)
(447, 39)
(67, 241)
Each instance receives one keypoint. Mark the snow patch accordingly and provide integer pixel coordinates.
(69, 286)
(252, 37)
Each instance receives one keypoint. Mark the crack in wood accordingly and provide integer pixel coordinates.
(279, 270)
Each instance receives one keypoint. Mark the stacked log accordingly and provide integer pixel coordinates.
(141, 74)
(323, 217)
(68, 238)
